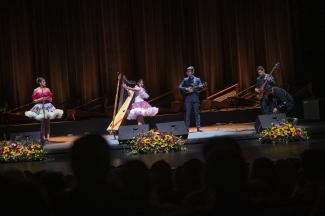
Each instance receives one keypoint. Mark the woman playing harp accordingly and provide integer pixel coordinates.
(140, 107)
(122, 106)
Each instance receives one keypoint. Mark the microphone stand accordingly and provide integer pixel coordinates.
(43, 121)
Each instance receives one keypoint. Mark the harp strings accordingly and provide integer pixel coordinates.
(123, 93)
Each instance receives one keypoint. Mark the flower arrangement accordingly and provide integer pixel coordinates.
(156, 141)
(283, 132)
(21, 151)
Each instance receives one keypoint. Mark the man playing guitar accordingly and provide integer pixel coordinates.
(261, 81)
(191, 85)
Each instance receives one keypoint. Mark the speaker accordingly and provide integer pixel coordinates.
(311, 109)
(264, 121)
(127, 132)
(35, 135)
(178, 128)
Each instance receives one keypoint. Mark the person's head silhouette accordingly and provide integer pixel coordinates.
(90, 159)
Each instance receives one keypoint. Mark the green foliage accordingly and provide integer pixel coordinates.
(283, 132)
(156, 141)
(21, 151)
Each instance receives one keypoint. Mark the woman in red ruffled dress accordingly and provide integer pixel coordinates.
(140, 107)
(43, 111)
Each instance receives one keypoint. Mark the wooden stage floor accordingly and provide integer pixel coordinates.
(243, 133)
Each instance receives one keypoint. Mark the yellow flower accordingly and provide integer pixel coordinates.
(156, 138)
(147, 141)
(292, 130)
(168, 137)
(5, 149)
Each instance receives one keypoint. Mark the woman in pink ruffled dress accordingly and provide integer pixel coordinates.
(140, 107)
(43, 111)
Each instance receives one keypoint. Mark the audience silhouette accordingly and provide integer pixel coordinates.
(94, 194)
(222, 184)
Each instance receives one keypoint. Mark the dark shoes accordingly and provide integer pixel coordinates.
(198, 130)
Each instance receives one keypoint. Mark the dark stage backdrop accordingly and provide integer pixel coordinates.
(78, 46)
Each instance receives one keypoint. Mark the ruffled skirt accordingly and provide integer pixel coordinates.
(50, 112)
(141, 108)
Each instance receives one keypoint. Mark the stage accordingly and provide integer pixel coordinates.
(243, 133)
(235, 123)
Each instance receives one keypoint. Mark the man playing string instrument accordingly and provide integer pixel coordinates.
(261, 79)
(191, 85)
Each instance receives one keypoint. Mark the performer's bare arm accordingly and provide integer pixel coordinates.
(129, 88)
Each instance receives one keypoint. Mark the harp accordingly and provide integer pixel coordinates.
(231, 97)
(17, 115)
(220, 99)
(91, 109)
(123, 100)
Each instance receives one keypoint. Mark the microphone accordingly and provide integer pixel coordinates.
(43, 95)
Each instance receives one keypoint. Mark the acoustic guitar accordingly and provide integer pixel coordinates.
(204, 84)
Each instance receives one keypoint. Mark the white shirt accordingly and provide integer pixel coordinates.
(140, 95)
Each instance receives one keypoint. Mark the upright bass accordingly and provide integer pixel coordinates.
(261, 93)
